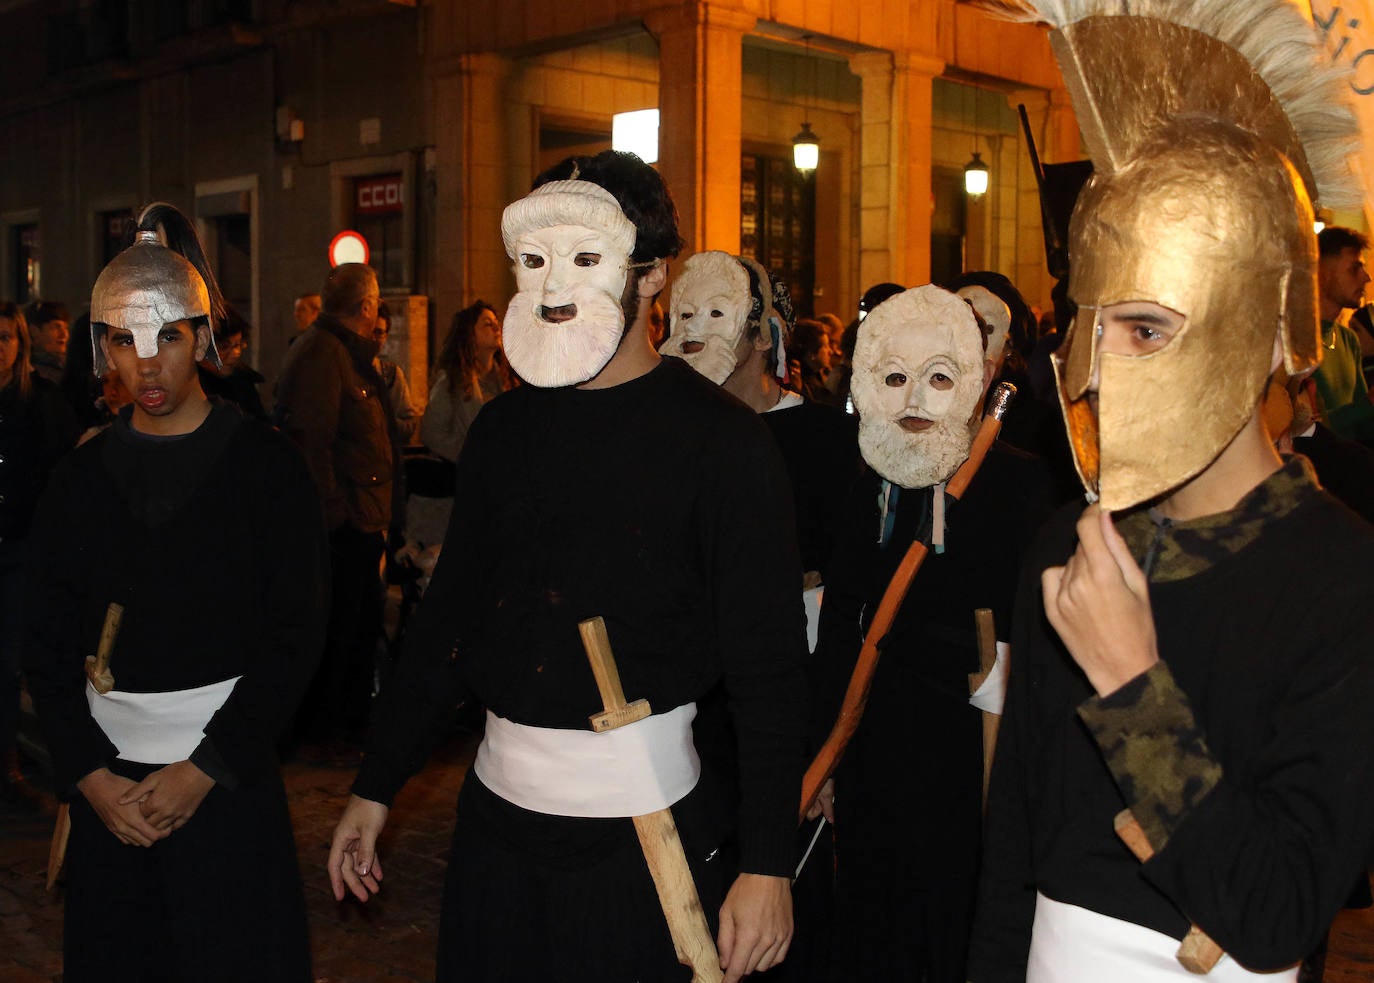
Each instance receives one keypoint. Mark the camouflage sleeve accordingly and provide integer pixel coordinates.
(1155, 749)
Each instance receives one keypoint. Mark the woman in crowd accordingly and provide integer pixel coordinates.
(36, 428)
(470, 370)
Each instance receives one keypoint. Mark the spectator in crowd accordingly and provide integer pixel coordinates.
(1362, 323)
(405, 418)
(471, 369)
(1342, 396)
(79, 382)
(305, 310)
(204, 527)
(114, 396)
(333, 403)
(810, 355)
(48, 327)
(232, 380)
(36, 428)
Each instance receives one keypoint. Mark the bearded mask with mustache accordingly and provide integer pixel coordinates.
(918, 378)
(571, 245)
(709, 314)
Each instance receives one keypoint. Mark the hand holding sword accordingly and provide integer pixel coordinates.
(756, 919)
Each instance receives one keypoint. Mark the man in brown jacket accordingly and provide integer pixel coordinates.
(333, 404)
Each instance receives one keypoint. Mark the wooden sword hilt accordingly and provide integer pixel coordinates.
(98, 666)
(1197, 953)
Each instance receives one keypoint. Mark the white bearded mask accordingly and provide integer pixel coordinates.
(709, 315)
(918, 378)
(571, 245)
(995, 314)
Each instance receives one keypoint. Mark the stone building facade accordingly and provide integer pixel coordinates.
(278, 123)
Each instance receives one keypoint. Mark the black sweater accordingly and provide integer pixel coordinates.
(1269, 648)
(660, 505)
(214, 544)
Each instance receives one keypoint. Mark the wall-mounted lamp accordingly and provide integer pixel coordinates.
(976, 176)
(636, 132)
(806, 150)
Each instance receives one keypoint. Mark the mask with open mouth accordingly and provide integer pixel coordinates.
(710, 314)
(918, 377)
(571, 244)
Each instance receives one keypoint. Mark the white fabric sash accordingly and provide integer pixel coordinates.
(630, 771)
(157, 728)
(1070, 944)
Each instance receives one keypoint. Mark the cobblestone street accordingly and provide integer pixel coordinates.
(390, 940)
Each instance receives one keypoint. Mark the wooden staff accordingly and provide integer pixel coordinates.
(98, 672)
(856, 695)
(658, 836)
(987, 658)
(1197, 953)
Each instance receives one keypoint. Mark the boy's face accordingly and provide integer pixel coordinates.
(165, 385)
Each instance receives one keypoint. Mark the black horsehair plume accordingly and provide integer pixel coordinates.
(179, 235)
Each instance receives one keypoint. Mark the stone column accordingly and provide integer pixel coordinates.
(874, 69)
(470, 179)
(912, 121)
(699, 99)
(895, 166)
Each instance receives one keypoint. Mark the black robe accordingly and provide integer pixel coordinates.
(662, 506)
(214, 544)
(908, 792)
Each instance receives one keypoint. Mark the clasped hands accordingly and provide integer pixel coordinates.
(1099, 603)
(141, 813)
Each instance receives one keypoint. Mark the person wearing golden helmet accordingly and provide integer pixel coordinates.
(1186, 666)
(619, 485)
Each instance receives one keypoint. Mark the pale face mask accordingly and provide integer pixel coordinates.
(918, 377)
(995, 314)
(709, 315)
(571, 246)
(566, 320)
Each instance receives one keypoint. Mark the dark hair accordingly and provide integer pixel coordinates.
(40, 312)
(808, 336)
(876, 294)
(23, 359)
(233, 324)
(639, 189)
(1336, 239)
(458, 358)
